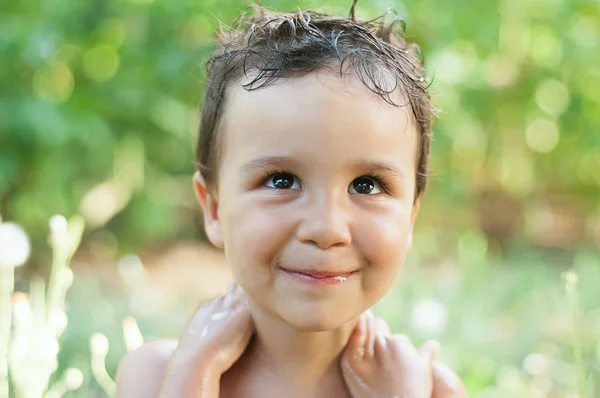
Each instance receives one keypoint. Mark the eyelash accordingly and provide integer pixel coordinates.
(379, 179)
(268, 174)
(374, 176)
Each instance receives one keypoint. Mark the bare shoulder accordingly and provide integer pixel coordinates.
(141, 371)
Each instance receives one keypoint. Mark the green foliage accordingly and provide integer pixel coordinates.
(105, 91)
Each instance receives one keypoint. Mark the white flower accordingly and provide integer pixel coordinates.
(59, 232)
(21, 310)
(429, 317)
(570, 277)
(99, 344)
(536, 364)
(131, 268)
(131, 333)
(14, 245)
(73, 378)
(58, 224)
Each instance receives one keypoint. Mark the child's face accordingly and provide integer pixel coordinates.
(321, 141)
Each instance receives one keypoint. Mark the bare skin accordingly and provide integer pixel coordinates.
(218, 335)
(374, 363)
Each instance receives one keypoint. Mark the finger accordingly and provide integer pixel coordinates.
(194, 326)
(402, 348)
(429, 350)
(239, 295)
(236, 289)
(233, 324)
(232, 286)
(383, 328)
(198, 325)
(246, 325)
(371, 333)
(446, 384)
(357, 338)
(359, 334)
(229, 294)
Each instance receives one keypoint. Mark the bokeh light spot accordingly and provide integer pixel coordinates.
(113, 31)
(585, 32)
(552, 97)
(54, 83)
(542, 135)
(101, 63)
(194, 32)
(546, 48)
(501, 71)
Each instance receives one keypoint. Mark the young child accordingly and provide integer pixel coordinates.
(312, 158)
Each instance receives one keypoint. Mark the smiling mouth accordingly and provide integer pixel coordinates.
(319, 277)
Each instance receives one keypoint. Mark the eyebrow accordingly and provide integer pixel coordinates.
(268, 162)
(374, 165)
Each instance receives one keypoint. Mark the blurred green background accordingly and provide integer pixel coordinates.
(98, 116)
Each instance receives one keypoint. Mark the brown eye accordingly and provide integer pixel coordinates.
(282, 181)
(365, 185)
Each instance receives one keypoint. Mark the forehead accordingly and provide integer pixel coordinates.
(318, 117)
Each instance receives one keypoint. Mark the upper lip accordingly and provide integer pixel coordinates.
(319, 274)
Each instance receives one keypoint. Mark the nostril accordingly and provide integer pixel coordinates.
(325, 238)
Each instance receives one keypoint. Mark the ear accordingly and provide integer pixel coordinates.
(210, 208)
(413, 217)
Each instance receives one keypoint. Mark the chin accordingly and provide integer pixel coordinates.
(310, 321)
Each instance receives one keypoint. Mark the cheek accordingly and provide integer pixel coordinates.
(384, 242)
(387, 234)
(253, 239)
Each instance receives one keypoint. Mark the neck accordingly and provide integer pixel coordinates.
(306, 359)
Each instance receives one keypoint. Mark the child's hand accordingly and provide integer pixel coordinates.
(378, 364)
(213, 340)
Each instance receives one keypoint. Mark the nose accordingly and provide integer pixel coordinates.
(326, 223)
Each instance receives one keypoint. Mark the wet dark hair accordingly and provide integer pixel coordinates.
(265, 46)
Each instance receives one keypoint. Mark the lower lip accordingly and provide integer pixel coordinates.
(328, 280)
